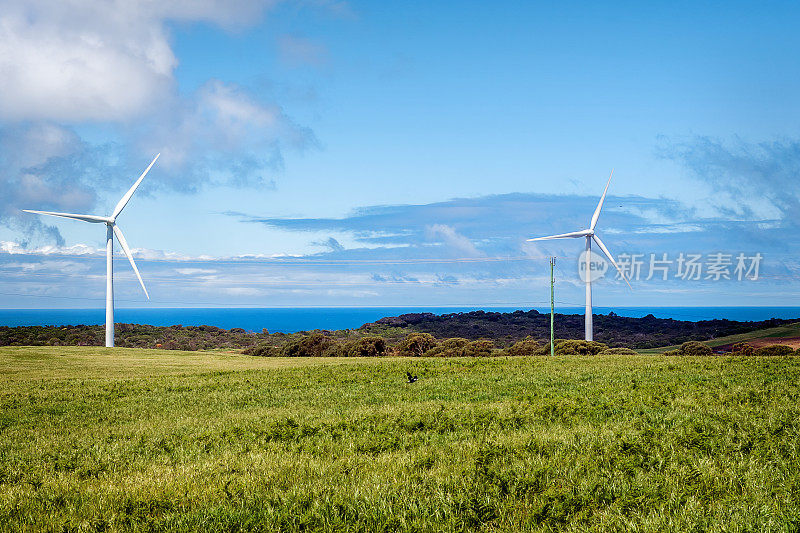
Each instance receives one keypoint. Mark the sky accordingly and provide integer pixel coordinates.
(364, 153)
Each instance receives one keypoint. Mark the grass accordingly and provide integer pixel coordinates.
(115, 440)
(788, 330)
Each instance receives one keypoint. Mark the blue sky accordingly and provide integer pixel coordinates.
(383, 153)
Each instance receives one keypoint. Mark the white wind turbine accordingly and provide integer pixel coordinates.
(111, 229)
(590, 236)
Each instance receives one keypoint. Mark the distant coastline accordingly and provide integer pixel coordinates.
(292, 320)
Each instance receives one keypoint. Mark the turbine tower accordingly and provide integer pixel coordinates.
(111, 229)
(590, 236)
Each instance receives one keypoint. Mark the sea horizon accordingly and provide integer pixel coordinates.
(294, 319)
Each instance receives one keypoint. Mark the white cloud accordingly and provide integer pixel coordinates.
(532, 250)
(147, 254)
(81, 61)
(33, 145)
(15, 248)
(221, 132)
(95, 60)
(453, 239)
(25, 151)
(241, 291)
(195, 271)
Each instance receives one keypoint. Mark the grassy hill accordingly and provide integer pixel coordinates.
(786, 330)
(127, 439)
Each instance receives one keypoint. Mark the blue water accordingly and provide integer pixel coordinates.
(292, 320)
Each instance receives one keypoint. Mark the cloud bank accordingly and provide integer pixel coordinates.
(754, 179)
(435, 254)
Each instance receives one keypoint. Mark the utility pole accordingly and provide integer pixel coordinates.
(552, 309)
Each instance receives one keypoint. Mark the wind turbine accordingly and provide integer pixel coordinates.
(590, 236)
(111, 229)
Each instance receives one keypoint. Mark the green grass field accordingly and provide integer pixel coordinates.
(789, 330)
(108, 440)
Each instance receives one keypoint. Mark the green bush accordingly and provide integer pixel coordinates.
(692, 348)
(415, 345)
(695, 348)
(742, 348)
(774, 349)
(530, 346)
(479, 348)
(527, 346)
(452, 347)
(313, 345)
(458, 347)
(372, 346)
(579, 347)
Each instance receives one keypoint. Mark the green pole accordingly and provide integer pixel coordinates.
(552, 309)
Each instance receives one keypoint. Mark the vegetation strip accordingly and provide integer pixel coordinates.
(502, 329)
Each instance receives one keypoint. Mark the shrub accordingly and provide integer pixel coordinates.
(691, 348)
(263, 350)
(458, 347)
(313, 345)
(366, 347)
(742, 348)
(617, 351)
(452, 347)
(415, 344)
(527, 346)
(579, 347)
(774, 349)
(695, 348)
(479, 348)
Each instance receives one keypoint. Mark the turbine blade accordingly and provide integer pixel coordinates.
(572, 235)
(86, 218)
(600, 204)
(610, 258)
(124, 201)
(124, 244)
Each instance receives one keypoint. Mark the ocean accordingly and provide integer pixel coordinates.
(290, 320)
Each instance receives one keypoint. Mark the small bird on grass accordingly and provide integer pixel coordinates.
(411, 378)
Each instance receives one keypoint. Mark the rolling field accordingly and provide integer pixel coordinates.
(114, 440)
(761, 337)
